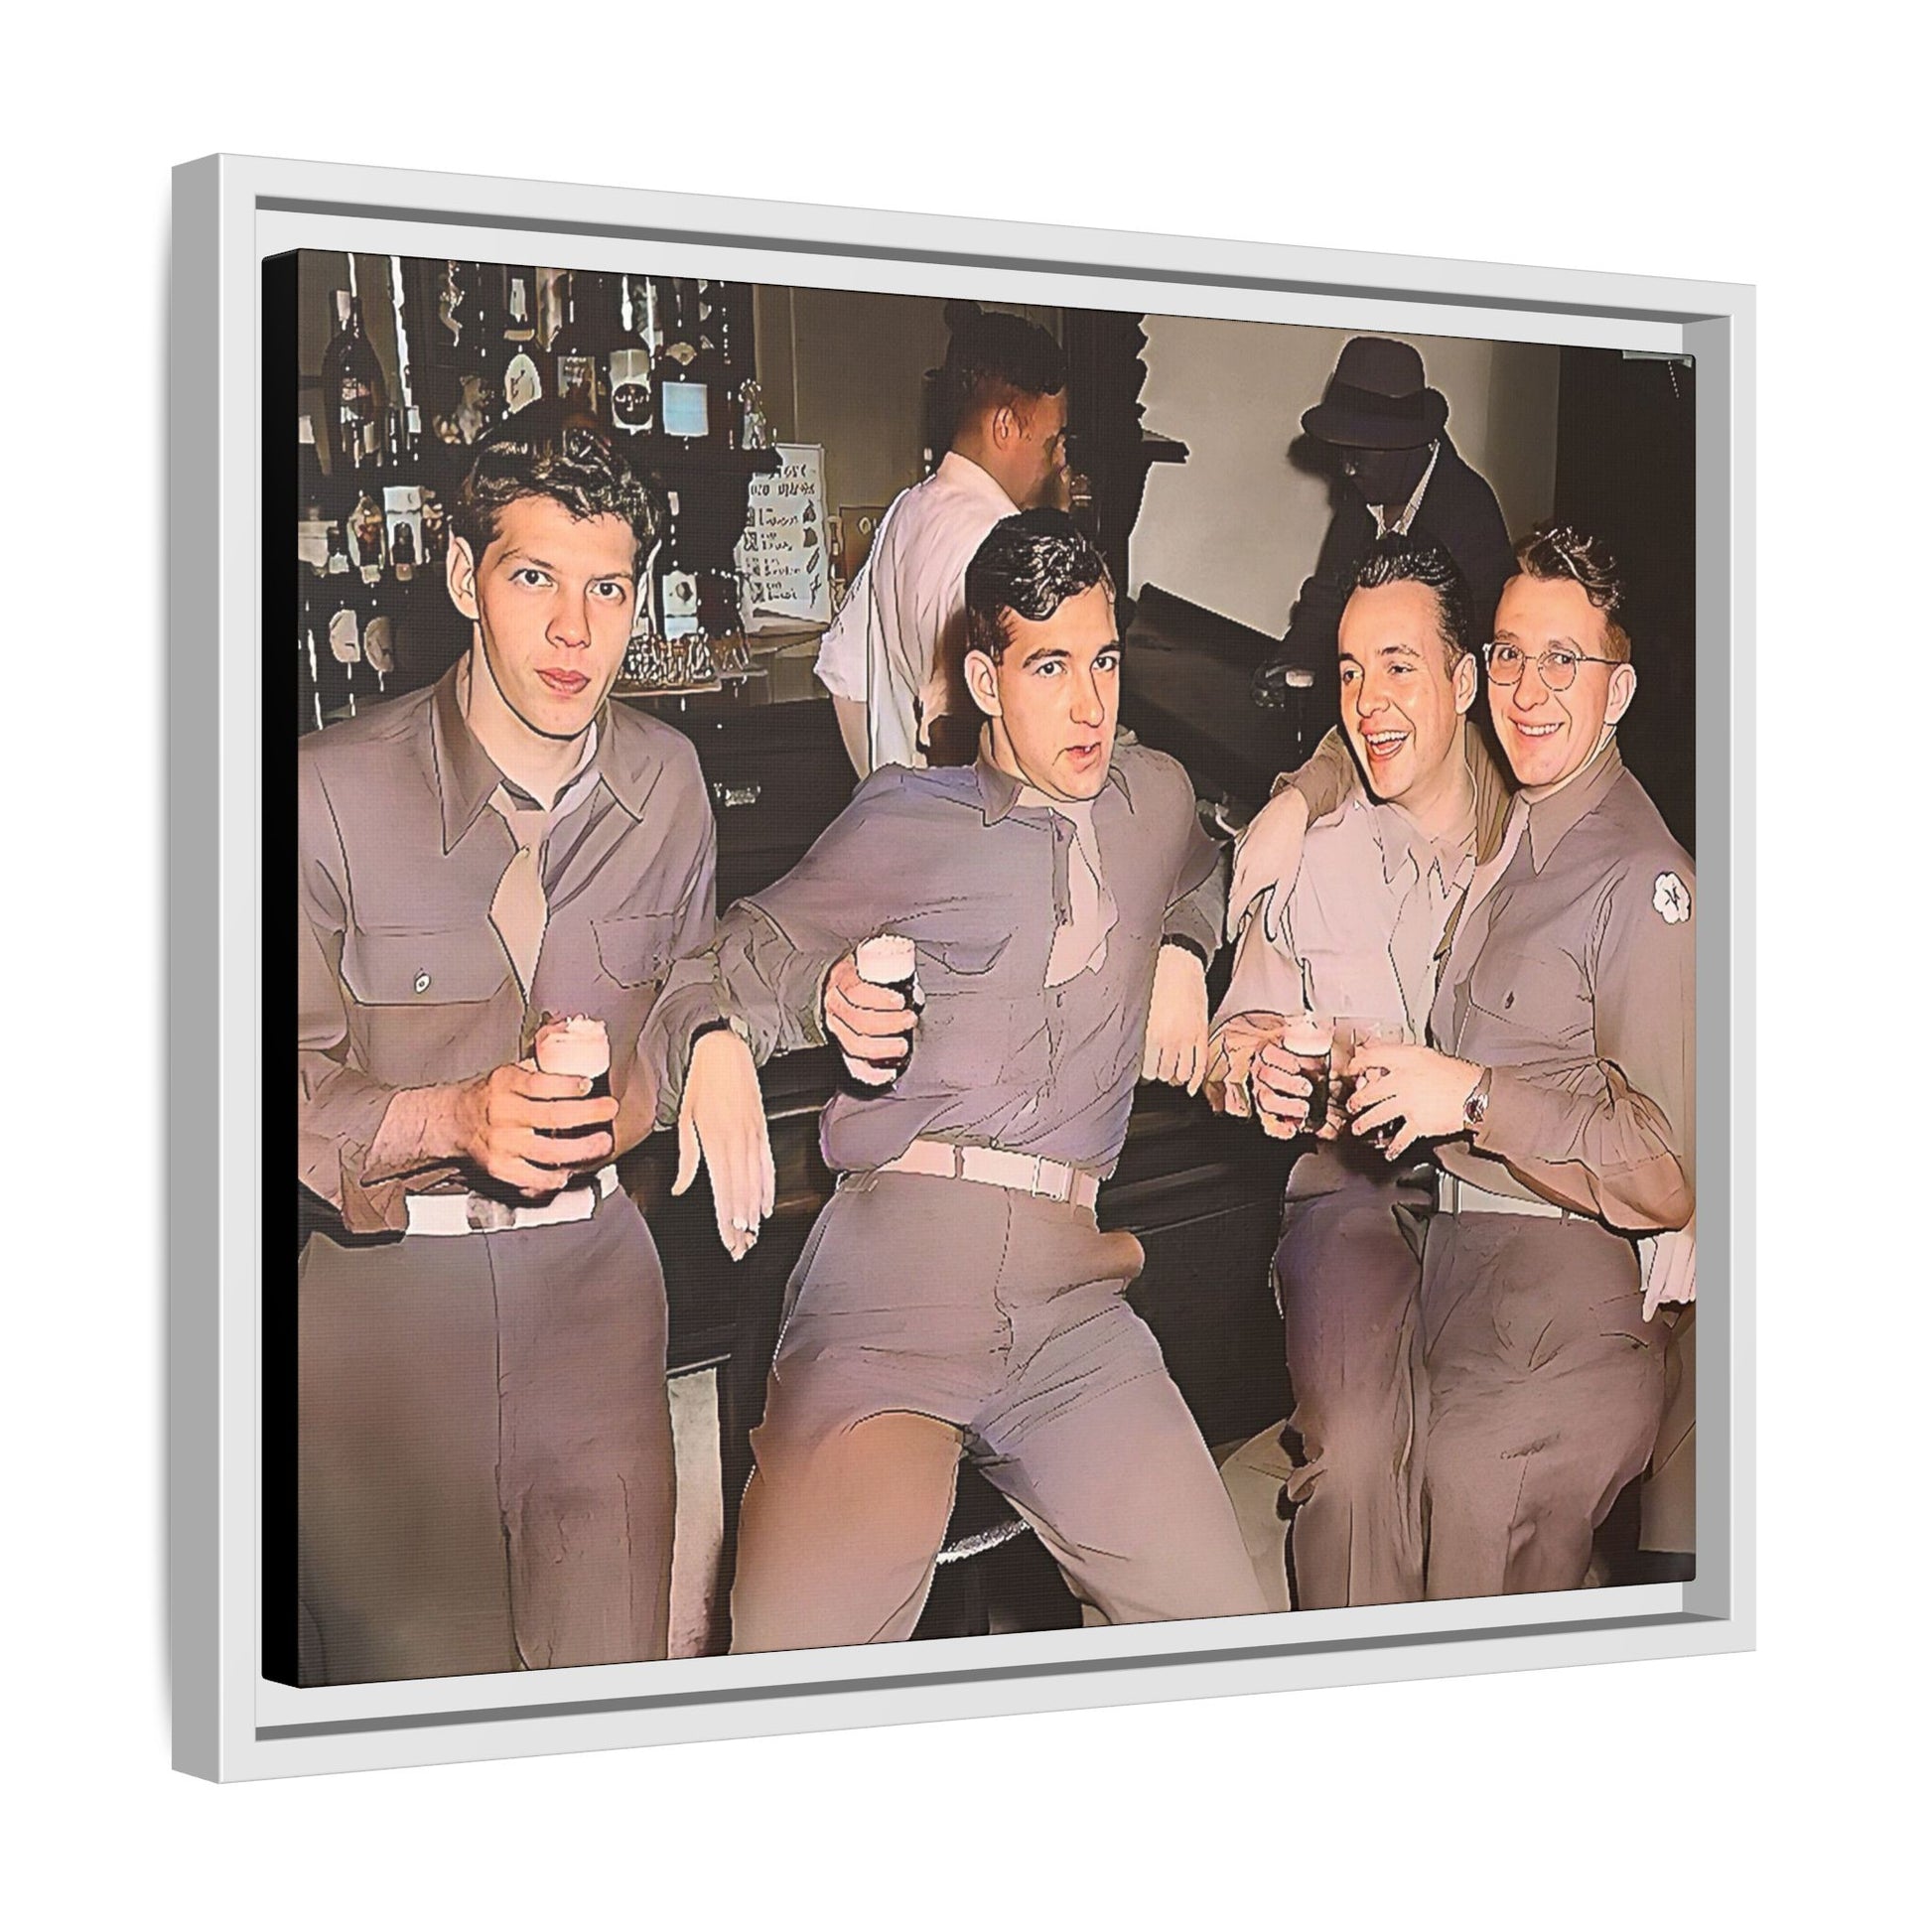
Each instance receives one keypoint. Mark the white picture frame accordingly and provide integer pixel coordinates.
(229, 214)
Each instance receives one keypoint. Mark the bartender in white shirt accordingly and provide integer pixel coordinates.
(893, 657)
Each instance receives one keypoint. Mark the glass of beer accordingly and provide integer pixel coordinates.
(886, 960)
(1357, 1036)
(580, 1046)
(1309, 1040)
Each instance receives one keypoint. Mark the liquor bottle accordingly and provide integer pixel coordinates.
(353, 391)
(402, 499)
(714, 365)
(368, 531)
(677, 584)
(683, 388)
(522, 380)
(632, 375)
(479, 374)
(573, 351)
(376, 610)
(341, 652)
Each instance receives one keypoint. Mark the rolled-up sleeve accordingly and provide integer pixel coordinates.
(766, 968)
(1615, 1135)
(841, 662)
(1267, 975)
(1198, 900)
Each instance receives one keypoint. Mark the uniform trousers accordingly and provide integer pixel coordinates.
(483, 1452)
(1348, 1281)
(1545, 1390)
(1001, 1318)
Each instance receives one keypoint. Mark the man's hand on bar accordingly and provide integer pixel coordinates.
(721, 1125)
(1177, 1021)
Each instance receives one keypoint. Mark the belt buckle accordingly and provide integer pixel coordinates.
(487, 1216)
(1040, 1190)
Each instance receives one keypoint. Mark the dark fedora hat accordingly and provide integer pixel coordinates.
(1378, 399)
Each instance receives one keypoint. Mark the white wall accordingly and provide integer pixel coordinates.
(1758, 1791)
(1238, 525)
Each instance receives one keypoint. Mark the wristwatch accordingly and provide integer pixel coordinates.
(1477, 1104)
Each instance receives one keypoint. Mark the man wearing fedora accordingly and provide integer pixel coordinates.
(1402, 476)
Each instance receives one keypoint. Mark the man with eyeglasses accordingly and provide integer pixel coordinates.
(1561, 1114)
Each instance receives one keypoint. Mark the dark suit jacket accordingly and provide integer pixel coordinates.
(1458, 510)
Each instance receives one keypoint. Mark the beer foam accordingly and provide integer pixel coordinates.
(1303, 1032)
(886, 959)
(574, 1045)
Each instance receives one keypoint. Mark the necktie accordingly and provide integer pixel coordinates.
(518, 909)
(1081, 945)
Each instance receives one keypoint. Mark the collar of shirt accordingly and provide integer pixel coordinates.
(1452, 857)
(466, 775)
(1401, 525)
(1000, 790)
(962, 473)
(1550, 818)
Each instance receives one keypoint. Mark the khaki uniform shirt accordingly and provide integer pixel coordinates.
(403, 980)
(1363, 920)
(954, 860)
(1573, 975)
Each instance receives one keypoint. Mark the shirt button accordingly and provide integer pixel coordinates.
(422, 982)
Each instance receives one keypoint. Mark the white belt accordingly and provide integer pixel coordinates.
(481, 1214)
(1458, 1197)
(1024, 1174)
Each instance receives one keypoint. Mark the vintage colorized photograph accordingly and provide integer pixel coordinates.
(962, 967)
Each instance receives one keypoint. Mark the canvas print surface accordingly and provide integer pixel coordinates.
(962, 968)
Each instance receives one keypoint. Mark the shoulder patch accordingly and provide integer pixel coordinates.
(1672, 898)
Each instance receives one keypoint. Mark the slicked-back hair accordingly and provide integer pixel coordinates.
(1555, 551)
(536, 453)
(1397, 559)
(995, 358)
(1029, 565)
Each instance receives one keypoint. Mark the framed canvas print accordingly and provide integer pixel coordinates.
(996, 946)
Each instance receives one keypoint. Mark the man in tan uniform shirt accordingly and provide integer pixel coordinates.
(485, 1477)
(1561, 1111)
(1354, 931)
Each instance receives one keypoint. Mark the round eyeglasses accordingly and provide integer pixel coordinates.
(1555, 667)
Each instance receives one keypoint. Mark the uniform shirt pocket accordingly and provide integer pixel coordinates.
(965, 1034)
(1543, 995)
(636, 950)
(457, 966)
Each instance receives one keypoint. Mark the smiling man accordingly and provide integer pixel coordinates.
(1560, 1112)
(957, 1297)
(1354, 931)
(485, 1452)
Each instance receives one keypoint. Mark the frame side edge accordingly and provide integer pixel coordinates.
(192, 818)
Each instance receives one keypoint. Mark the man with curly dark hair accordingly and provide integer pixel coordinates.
(957, 1298)
(484, 1442)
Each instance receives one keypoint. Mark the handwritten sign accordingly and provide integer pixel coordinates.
(781, 560)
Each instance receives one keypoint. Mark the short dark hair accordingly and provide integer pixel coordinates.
(1395, 559)
(1553, 551)
(996, 358)
(1028, 566)
(538, 452)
